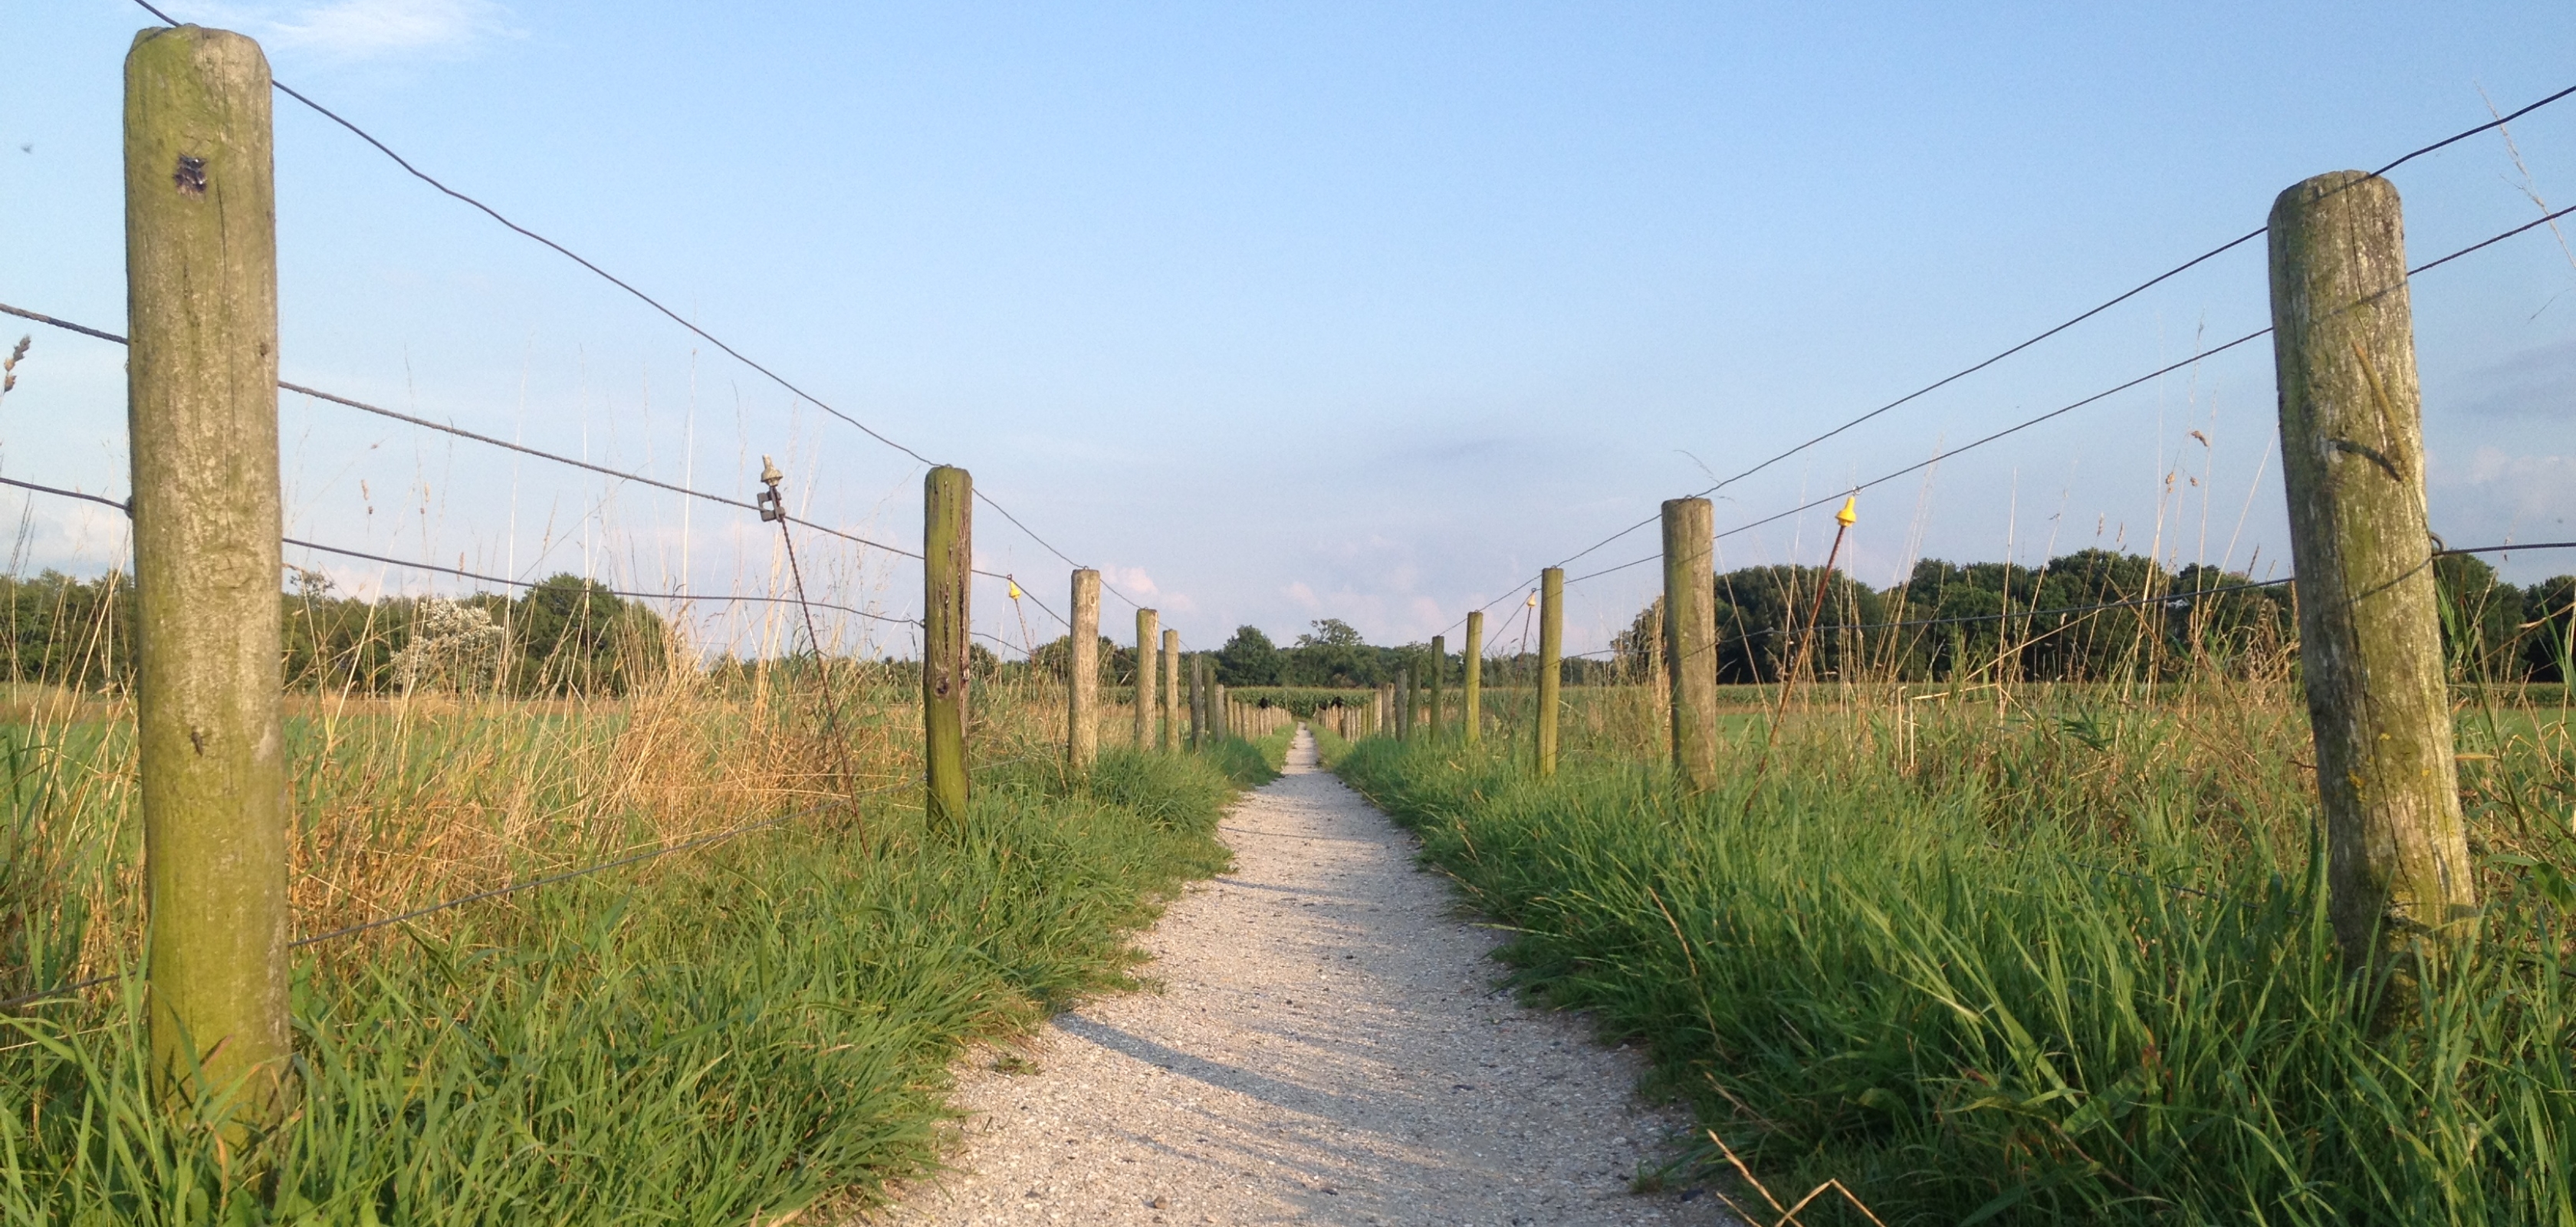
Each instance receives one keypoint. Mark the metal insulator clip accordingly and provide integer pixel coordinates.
(772, 506)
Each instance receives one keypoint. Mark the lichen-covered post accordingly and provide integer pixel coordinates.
(1471, 695)
(1439, 665)
(947, 553)
(1145, 636)
(1171, 690)
(201, 404)
(2370, 643)
(1690, 638)
(1198, 700)
(1551, 661)
(1082, 683)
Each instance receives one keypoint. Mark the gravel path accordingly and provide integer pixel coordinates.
(1328, 1047)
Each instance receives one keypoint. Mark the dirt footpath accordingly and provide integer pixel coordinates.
(1328, 1047)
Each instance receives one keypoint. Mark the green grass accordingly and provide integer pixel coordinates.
(2062, 966)
(723, 1036)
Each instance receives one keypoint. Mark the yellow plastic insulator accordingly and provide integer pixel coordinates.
(1850, 511)
(1015, 590)
(1533, 601)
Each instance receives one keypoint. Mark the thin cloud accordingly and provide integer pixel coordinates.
(376, 29)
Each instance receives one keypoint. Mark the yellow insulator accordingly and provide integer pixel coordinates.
(1850, 511)
(1015, 589)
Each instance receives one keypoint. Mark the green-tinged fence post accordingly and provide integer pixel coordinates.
(1382, 717)
(947, 554)
(1551, 654)
(1172, 730)
(1404, 704)
(2370, 635)
(1224, 715)
(1439, 666)
(1082, 683)
(1145, 635)
(1690, 638)
(201, 403)
(1471, 697)
(1198, 700)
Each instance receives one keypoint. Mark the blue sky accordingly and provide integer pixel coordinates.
(1281, 312)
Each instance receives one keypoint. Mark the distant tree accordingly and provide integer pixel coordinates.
(1334, 654)
(1248, 659)
(574, 636)
(1055, 657)
(2482, 619)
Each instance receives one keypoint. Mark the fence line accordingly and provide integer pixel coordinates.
(2107, 304)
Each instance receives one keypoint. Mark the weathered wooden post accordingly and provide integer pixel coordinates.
(2370, 645)
(1198, 700)
(1224, 714)
(1690, 638)
(1471, 698)
(1082, 691)
(947, 559)
(1439, 666)
(1404, 704)
(1171, 690)
(1382, 718)
(1145, 632)
(1551, 654)
(201, 403)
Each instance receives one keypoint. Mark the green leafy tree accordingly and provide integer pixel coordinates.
(1248, 659)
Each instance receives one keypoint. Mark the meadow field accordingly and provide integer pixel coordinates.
(757, 1024)
(2023, 954)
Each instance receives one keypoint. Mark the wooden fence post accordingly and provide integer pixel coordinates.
(2370, 643)
(201, 379)
(1382, 719)
(1471, 700)
(1224, 715)
(1439, 666)
(1551, 654)
(947, 553)
(1145, 635)
(1404, 704)
(1198, 700)
(1082, 689)
(1690, 637)
(1171, 691)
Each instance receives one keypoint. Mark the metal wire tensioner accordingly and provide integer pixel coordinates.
(773, 508)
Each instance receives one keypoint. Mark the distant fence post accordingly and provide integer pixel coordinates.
(1223, 715)
(1198, 700)
(2370, 643)
(1082, 691)
(1404, 704)
(1439, 666)
(1145, 635)
(201, 379)
(1171, 690)
(1690, 637)
(1382, 719)
(1551, 661)
(947, 553)
(1471, 698)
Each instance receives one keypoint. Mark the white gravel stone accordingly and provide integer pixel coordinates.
(1328, 1046)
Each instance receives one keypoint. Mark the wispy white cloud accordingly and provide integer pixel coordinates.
(378, 29)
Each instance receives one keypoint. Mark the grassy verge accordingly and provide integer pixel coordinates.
(2041, 968)
(724, 1036)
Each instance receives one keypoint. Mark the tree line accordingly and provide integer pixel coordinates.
(1947, 621)
(565, 636)
(2093, 615)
